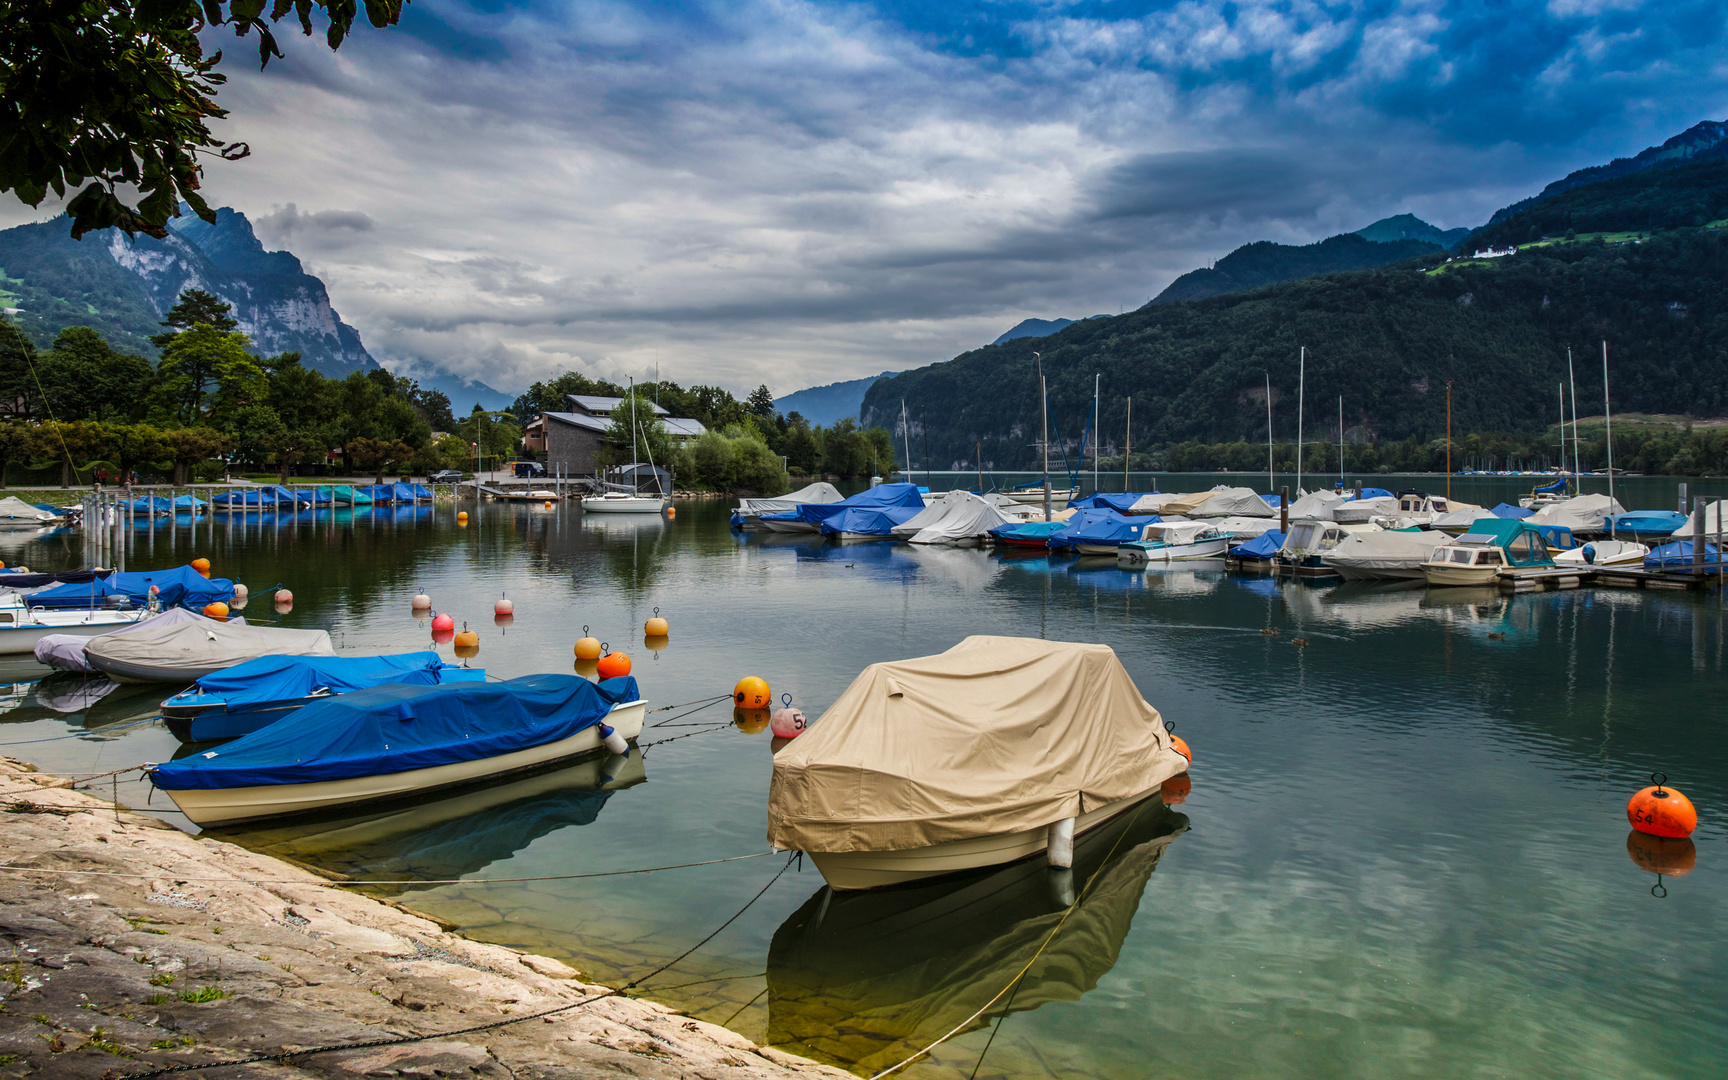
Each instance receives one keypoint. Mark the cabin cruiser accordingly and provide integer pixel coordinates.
(1494, 550)
(1172, 541)
(1307, 541)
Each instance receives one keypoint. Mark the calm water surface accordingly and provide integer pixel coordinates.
(1405, 852)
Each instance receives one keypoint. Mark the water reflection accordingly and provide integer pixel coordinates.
(450, 837)
(865, 979)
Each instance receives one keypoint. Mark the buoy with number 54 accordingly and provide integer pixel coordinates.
(1661, 811)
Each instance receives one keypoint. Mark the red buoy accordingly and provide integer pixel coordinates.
(442, 623)
(613, 666)
(1662, 811)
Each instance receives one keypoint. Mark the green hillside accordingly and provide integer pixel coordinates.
(1671, 198)
(1263, 263)
(1387, 340)
(54, 281)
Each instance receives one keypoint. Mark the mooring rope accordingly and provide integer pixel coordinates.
(289, 1058)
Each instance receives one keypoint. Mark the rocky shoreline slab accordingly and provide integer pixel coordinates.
(197, 952)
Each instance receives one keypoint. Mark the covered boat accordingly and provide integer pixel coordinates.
(1493, 548)
(1175, 541)
(1099, 532)
(1238, 529)
(1161, 503)
(1603, 553)
(1230, 502)
(1309, 540)
(868, 522)
(1120, 501)
(1640, 524)
(809, 517)
(1585, 514)
(1315, 506)
(152, 505)
(16, 513)
(1364, 510)
(187, 652)
(1713, 518)
(64, 650)
(343, 495)
(1510, 512)
(974, 757)
(239, 700)
(958, 517)
(1031, 534)
(176, 586)
(396, 740)
(1385, 555)
(748, 510)
(1677, 555)
(1262, 549)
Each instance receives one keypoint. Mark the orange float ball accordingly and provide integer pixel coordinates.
(588, 648)
(1174, 791)
(444, 622)
(671, 511)
(656, 627)
(1662, 811)
(613, 666)
(1182, 747)
(467, 639)
(218, 610)
(752, 693)
(201, 565)
(1671, 855)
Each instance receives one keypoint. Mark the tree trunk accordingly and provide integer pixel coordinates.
(66, 472)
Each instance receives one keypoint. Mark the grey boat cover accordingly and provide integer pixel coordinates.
(1232, 502)
(1160, 501)
(65, 652)
(12, 508)
(954, 516)
(1241, 528)
(1369, 551)
(1584, 514)
(1361, 511)
(1714, 521)
(190, 650)
(1315, 506)
(819, 492)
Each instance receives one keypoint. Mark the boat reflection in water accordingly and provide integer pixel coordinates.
(864, 979)
(449, 837)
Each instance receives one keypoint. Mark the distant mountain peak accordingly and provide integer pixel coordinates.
(1702, 141)
(1410, 227)
(1033, 328)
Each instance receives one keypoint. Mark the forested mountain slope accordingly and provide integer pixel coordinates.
(1263, 263)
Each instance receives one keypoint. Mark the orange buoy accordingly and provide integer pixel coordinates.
(752, 693)
(201, 565)
(218, 610)
(548, 504)
(1671, 855)
(655, 642)
(613, 666)
(1661, 811)
(656, 627)
(467, 639)
(443, 622)
(461, 517)
(750, 721)
(1182, 748)
(671, 511)
(283, 596)
(587, 648)
(1174, 791)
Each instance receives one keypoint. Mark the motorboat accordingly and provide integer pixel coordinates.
(67, 651)
(15, 513)
(997, 750)
(1603, 553)
(355, 748)
(957, 518)
(188, 651)
(176, 586)
(1648, 524)
(1585, 515)
(1031, 534)
(1494, 550)
(239, 700)
(809, 517)
(1546, 496)
(1388, 555)
(748, 511)
(1174, 541)
(1099, 531)
(1033, 495)
(619, 502)
(1307, 541)
(868, 523)
(23, 625)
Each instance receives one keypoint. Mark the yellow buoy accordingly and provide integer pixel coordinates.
(587, 648)
(751, 693)
(201, 565)
(461, 517)
(467, 639)
(656, 627)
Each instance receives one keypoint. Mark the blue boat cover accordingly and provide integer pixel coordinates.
(877, 498)
(421, 491)
(1099, 527)
(1647, 522)
(152, 505)
(1557, 486)
(1510, 512)
(1557, 537)
(180, 585)
(1678, 556)
(395, 727)
(871, 521)
(288, 678)
(188, 502)
(1119, 501)
(1274, 501)
(1030, 530)
(1264, 546)
(1376, 493)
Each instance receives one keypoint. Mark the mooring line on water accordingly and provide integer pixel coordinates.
(164, 875)
(397, 1040)
(699, 701)
(643, 747)
(82, 734)
(692, 712)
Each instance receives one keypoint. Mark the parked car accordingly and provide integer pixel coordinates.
(527, 470)
(448, 476)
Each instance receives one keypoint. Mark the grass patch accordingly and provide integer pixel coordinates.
(99, 1040)
(170, 1044)
(157, 999)
(8, 1059)
(42, 1018)
(161, 980)
(203, 994)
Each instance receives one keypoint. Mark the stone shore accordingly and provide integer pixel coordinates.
(219, 954)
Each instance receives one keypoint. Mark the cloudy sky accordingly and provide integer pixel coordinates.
(796, 192)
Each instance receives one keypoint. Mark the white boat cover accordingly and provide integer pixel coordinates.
(1583, 513)
(1384, 550)
(12, 508)
(205, 644)
(956, 516)
(819, 492)
(1358, 511)
(65, 652)
(1315, 506)
(1168, 502)
(1459, 519)
(1178, 532)
(1232, 502)
(996, 735)
(1243, 528)
(1713, 521)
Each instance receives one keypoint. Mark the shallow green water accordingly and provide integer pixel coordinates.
(1405, 851)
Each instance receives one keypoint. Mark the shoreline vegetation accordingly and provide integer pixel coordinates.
(214, 953)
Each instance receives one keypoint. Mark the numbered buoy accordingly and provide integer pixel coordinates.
(218, 610)
(504, 606)
(1174, 791)
(751, 721)
(752, 693)
(587, 648)
(787, 722)
(283, 596)
(613, 666)
(1671, 855)
(443, 622)
(421, 602)
(656, 627)
(201, 565)
(1661, 811)
(655, 642)
(241, 593)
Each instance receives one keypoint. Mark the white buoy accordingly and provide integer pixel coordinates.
(241, 592)
(421, 601)
(283, 596)
(614, 741)
(1061, 838)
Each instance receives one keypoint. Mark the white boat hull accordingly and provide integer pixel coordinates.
(630, 504)
(231, 806)
(1058, 499)
(1203, 549)
(874, 869)
(20, 639)
(1460, 574)
(788, 526)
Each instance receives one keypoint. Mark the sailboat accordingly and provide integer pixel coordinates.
(1039, 492)
(631, 502)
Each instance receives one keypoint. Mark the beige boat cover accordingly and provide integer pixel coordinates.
(996, 735)
(206, 644)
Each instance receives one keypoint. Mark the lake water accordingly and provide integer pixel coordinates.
(1405, 852)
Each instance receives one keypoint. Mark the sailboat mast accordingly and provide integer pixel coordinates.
(1097, 384)
(1340, 438)
(1128, 442)
(1608, 418)
(1577, 460)
(906, 435)
(634, 452)
(1562, 427)
(1301, 388)
(978, 447)
(1271, 482)
(1044, 418)
(1448, 441)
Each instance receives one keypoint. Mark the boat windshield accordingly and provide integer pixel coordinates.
(1462, 555)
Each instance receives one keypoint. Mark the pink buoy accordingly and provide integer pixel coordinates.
(504, 606)
(441, 623)
(788, 723)
(283, 596)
